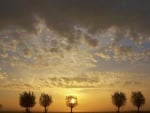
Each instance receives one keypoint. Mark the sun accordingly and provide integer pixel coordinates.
(73, 101)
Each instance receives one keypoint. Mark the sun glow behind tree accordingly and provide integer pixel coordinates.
(71, 101)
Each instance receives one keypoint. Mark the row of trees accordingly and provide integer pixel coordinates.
(27, 100)
(137, 99)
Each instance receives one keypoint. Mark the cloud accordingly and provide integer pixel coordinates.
(93, 13)
(69, 38)
(63, 16)
(17, 86)
(126, 83)
(103, 56)
(16, 83)
(68, 82)
(120, 46)
(4, 54)
(52, 54)
(104, 80)
(122, 52)
(27, 53)
(29, 86)
(3, 75)
(92, 80)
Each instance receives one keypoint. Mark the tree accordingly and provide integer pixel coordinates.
(45, 100)
(137, 99)
(71, 102)
(27, 100)
(119, 99)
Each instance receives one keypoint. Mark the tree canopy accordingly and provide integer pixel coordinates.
(71, 101)
(119, 99)
(137, 99)
(45, 100)
(27, 100)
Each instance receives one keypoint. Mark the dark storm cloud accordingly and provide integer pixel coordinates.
(61, 16)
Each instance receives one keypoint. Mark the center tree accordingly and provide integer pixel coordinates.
(45, 101)
(71, 101)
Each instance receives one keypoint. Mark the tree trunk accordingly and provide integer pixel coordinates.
(45, 110)
(71, 109)
(27, 110)
(138, 109)
(118, 109)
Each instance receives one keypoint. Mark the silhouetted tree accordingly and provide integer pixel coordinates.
(137, 99)
(119, 99)
(71, 102)
(27, 100)
(45, 100)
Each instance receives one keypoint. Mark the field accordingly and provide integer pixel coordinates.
(75, 112)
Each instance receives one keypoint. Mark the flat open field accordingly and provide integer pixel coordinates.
(74, 112)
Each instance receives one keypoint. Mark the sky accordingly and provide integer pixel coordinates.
(86, 48)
